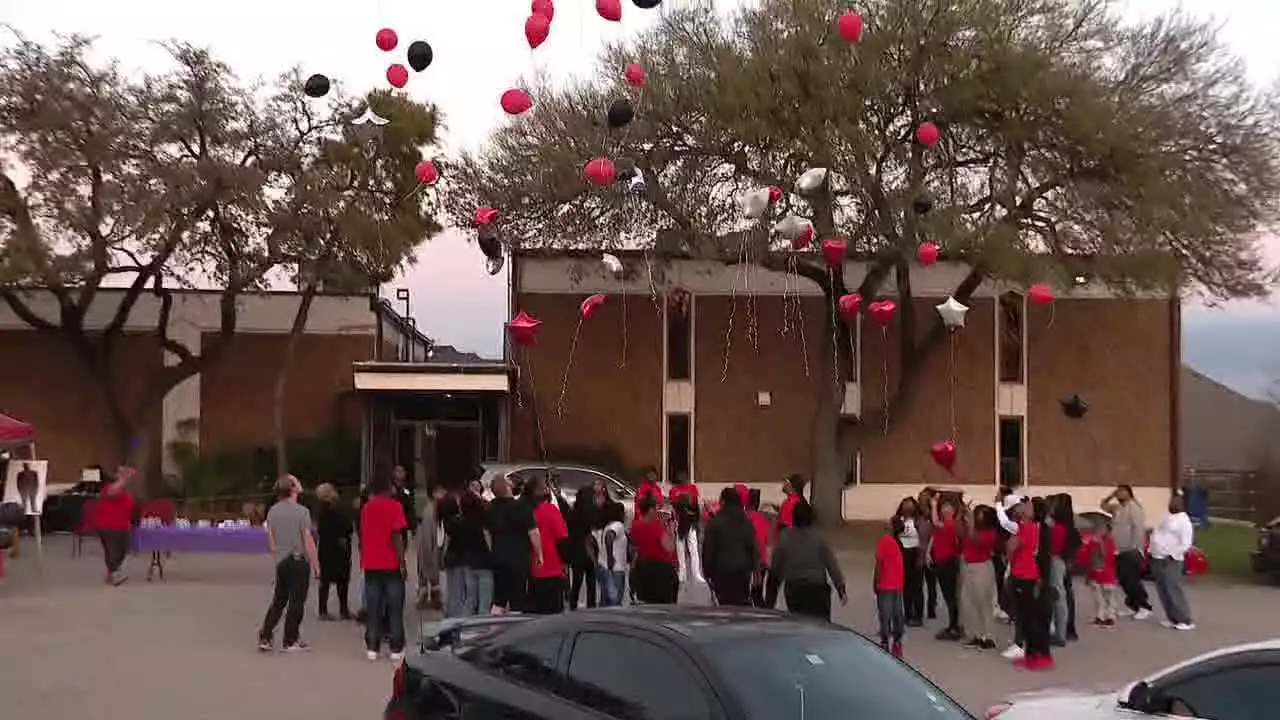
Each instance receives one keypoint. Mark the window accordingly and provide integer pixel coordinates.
(531, 661)
(520, 478)
(577, 480)
(679, 432)
(627, 677)
(1010, 452)
(679, 338)
(1249, 692)
(1011, 327)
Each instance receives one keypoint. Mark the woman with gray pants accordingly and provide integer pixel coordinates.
(978, 578)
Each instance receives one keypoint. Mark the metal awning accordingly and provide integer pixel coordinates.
(432, 378)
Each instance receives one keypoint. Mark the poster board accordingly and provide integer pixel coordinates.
(28, 489)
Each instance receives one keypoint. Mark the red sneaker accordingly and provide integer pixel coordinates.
(1040, 663)
(1023, 662)
(897, 650)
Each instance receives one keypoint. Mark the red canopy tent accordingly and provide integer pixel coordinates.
(15, 433)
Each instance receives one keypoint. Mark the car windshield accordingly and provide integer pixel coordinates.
(820, 675)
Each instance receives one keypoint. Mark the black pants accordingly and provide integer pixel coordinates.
(913, 590)
(584, 571)
(510, 588)
(1071, 603)
(1031, 612)
(1000, 564)
(757, 588)
(809, 599)
(341, 587)
(931, 585)
(1129, 575)
(546, 596)
(115, 545)
(732, 588)
(948, 581)
(293, 579)
(655, 582)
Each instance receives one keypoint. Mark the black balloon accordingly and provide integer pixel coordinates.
(420, 55)
(1074, 407)
(316, 86)
(490, 244)
(625, 168)
(620, 113)
(647, 4)
(923, 204)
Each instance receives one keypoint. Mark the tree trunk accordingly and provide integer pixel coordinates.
(282, 377)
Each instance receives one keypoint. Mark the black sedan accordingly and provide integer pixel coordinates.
(659, 663)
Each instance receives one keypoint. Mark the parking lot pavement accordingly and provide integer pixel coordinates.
(185, 647)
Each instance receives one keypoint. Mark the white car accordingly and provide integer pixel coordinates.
(1234, 683)
(571, 478)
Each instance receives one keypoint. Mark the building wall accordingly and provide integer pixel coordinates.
(1114, 352)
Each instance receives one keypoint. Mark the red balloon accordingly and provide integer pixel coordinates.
(536, 29)
(600, 171)
(850, 27)
(398, 75)
(775, 194)
(610, 10)
(850, 305)
(387, 39)
(544, 7)
(882, 312)
(928, 134)
(927, 253)
(524, 329)
(833, 252)
(1040, 294)
(516, 101)
(635, 75)
(426, 172)
(486, 215)
(590, 304)
(944, 453)
(803, 239)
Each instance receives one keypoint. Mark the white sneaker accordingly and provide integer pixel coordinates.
(1001, 615)
(371, 654)
(1185, 626)
(1142, 614)
(1013, 652)
(1124, 612)
(397, 657)
(1166, 624)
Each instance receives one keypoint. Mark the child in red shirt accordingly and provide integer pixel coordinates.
(759, 525)
(944, 557)
(890, 579)
(1101, 550)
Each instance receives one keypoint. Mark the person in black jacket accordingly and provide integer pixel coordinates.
(512, 521)
(582, 519)
(334, 528)
(730, 556)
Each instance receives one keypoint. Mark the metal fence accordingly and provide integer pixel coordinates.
(1237, 494)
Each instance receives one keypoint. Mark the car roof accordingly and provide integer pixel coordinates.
(504, 468)
(1261, 645)
(698, 625)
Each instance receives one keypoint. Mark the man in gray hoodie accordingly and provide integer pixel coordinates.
(1129, 530)
(802, 562)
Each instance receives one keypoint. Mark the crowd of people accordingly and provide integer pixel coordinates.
(1015, 561)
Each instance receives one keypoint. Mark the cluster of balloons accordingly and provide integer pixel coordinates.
(419, 56)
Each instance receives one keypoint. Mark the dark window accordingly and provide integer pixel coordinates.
(679, 341)
(1240, 693)
(1010, 452)
(679, 430)
(520, 478)
(826, 672)
(1011, 338)
(626, 677)
(531, 661)
(576, 480)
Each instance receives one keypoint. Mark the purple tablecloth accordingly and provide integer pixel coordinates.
(245, 541)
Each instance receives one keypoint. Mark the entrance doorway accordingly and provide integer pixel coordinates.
(438, 452)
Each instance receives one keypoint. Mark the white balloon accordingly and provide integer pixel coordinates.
(612, 263)
(636, 185)
(811, 180)
(755, 203)
(369, 117)
(791, 227)
(952, 312)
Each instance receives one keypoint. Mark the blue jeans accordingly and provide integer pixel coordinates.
(384, 592)
(612, 583)
(456, 601)
(892, 611)
(479, 590)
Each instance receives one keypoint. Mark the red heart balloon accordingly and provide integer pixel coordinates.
(544, 7)
(590, 305)
(1040, 294)
(850, 305)
(882, 312)
(927, 253)
(833, 251)
(485, 215)
(944, 454)
(536, 29)
(610, 10)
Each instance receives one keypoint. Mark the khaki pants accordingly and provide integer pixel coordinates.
(1104, 600)
(977, 595)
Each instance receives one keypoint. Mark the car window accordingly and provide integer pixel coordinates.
(519, 478)
(818, 674)
(531, 661)
(1240, 693)
(573, 479)
(630, 678)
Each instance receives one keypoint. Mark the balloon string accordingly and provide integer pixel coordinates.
(533, 402)
(624, 322)
(1052, 308)
(835, 335)
(568, 367)
(753, 328)
(786, 294)
(884, 370)
(804, 344)
(951, 372)
(733, 310)
(853, 358)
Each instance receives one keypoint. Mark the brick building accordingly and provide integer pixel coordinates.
(691, 392)
(359, 366)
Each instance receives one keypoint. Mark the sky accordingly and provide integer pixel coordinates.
(480, 51)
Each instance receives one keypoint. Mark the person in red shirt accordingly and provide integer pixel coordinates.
(793, 494)
(1101, 552)
(978, 577)
(113, 519)
(760, 525)
(889, 582)
(944, 558)
(653, 537)
(1027, 583)
(382, 545)
(649, 486)
(547, 584)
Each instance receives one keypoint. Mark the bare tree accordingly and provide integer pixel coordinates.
(1069, 140)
